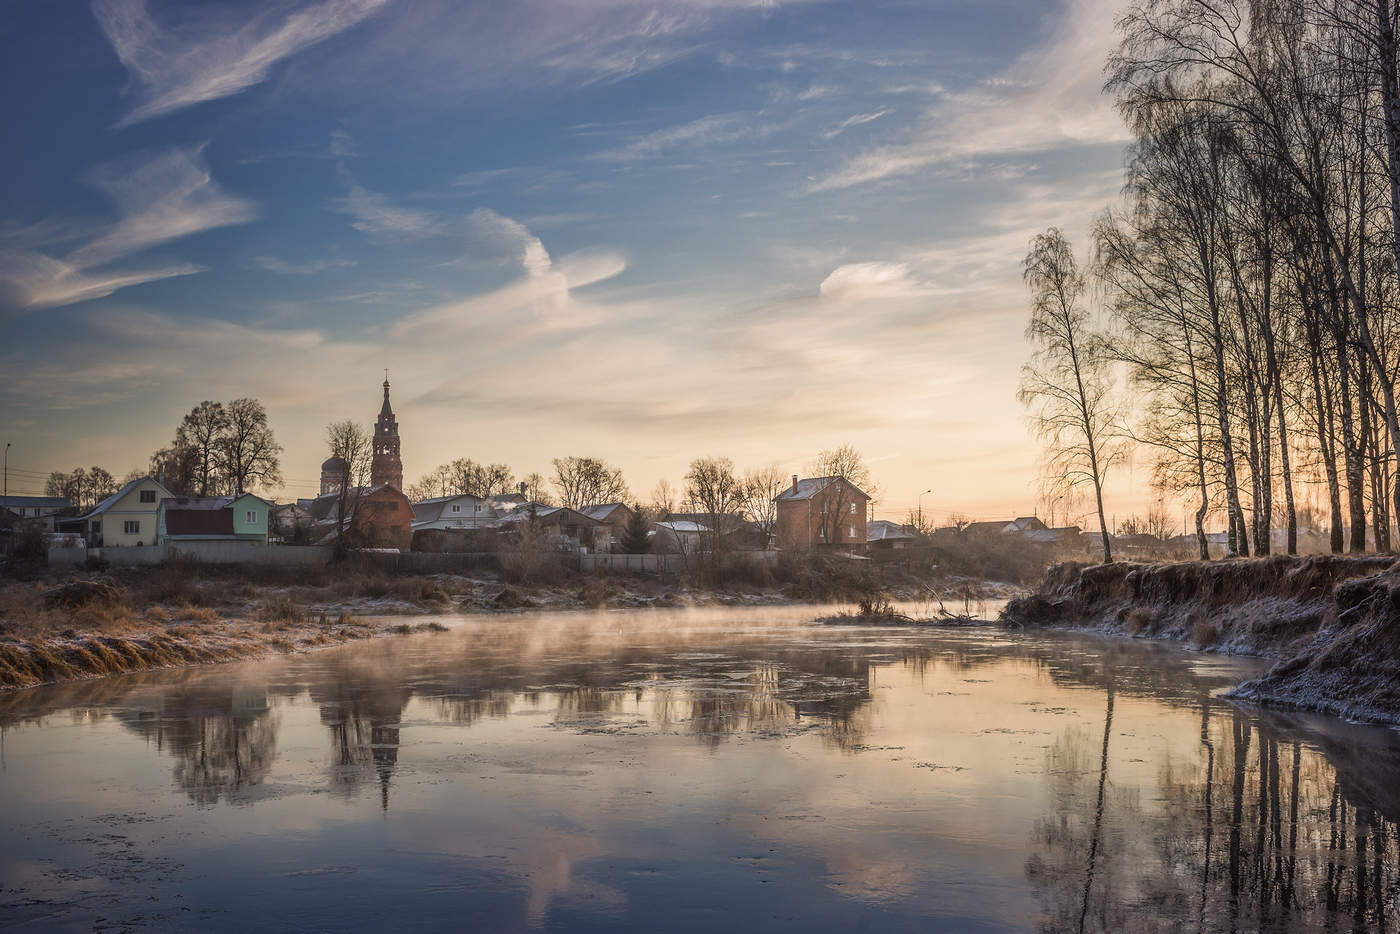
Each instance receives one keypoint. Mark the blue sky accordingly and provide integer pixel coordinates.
(646, 231)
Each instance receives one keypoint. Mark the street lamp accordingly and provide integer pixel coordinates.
(921, 509)
(5, 496)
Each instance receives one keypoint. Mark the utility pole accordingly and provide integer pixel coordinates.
(5, 496)
(921, 509)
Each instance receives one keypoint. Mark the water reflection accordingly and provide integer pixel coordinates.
(578, 770)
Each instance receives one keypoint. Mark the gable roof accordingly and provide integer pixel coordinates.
(883, 530)
(107, 503)
(811, 486)
(603, 511)
(427, 510)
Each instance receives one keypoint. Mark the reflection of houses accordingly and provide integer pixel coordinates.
(821, 511)
(127, 517)
(883, 535)
(214, 518)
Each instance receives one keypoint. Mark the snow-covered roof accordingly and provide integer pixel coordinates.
(806, 489)
(683, 526)
(883, 530)
(602, 511)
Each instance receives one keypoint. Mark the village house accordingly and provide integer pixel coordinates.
(566, 529)
(383, 518)
(613, 515)
(822, 512)
(678, 536)
(128, 517)
(289, 522)
(462, 511)
(43, 509)
(884, 535)
(214, 518)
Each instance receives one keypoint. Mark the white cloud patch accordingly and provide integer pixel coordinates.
(1050, 98)
(706, 131)
(871, 280)
(208, 57)
(500, 238)
(160, 199)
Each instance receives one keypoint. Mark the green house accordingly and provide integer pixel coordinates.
(214, 518)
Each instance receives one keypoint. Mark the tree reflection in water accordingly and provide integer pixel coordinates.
(1299, 849)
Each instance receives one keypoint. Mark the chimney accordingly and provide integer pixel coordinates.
(523, 487)
(794, 484)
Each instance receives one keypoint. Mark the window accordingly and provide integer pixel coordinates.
(853, 531)
(252, 517)
(148, 496)
(132, 526)
(853, 509)
(456, 508)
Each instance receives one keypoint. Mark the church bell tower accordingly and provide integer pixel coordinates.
(386, 467)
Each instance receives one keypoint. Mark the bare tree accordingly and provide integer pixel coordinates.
(354, 445)
(761, 486)
(199, 435)
(848, 473)
(588, 481)
(464, 477)
(714, 490)
(1066, 384)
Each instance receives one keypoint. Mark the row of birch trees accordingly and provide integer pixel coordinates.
(1249, 275)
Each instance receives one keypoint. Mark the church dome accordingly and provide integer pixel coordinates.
(333, 464)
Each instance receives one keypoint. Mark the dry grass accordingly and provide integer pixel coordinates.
(1204, 632)
(1138, 620)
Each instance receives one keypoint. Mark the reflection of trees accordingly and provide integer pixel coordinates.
(223, 737)
(1297, 847)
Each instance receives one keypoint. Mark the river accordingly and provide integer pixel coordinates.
(726, 770)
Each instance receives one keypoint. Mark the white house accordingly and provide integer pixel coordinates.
(129, 516)
(463, 511)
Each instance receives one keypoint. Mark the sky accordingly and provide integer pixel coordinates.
(642, 231)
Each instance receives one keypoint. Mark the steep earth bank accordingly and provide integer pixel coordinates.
(1333, 621)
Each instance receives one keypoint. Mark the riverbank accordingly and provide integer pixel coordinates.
(85, 625)
(1332, 621)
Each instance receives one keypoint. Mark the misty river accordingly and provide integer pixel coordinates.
(738, 769)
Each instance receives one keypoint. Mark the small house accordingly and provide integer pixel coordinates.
(214, 518)
(128, 517)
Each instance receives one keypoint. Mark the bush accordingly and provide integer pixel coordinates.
(1138, 620)
(1204, 633)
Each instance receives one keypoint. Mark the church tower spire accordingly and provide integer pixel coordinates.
(386, 466)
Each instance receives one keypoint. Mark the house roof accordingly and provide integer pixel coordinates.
(426, 510)
(883, 530)
(197, 502)
(682, 525)
(995, 525)
(811, 486)
(107, 503)
(36, 502)
(603, 511)
(1028, 524)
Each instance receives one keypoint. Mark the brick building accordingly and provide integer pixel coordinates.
(383, 519)
(822, 512)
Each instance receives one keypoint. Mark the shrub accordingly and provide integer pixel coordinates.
(1205, 633)
(279, 610)
(1138, 620)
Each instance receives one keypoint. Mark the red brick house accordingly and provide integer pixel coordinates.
(383, 519)
(822, 512)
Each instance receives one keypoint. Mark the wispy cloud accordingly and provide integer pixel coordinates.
(856, 120)
(1050, 98)
(310, 268)
(160, 199)
(374, 213)
(710, 130)
(208, 57)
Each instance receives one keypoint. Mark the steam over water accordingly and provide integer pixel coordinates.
(650, 771)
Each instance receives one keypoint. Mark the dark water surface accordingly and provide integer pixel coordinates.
(678, 772)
